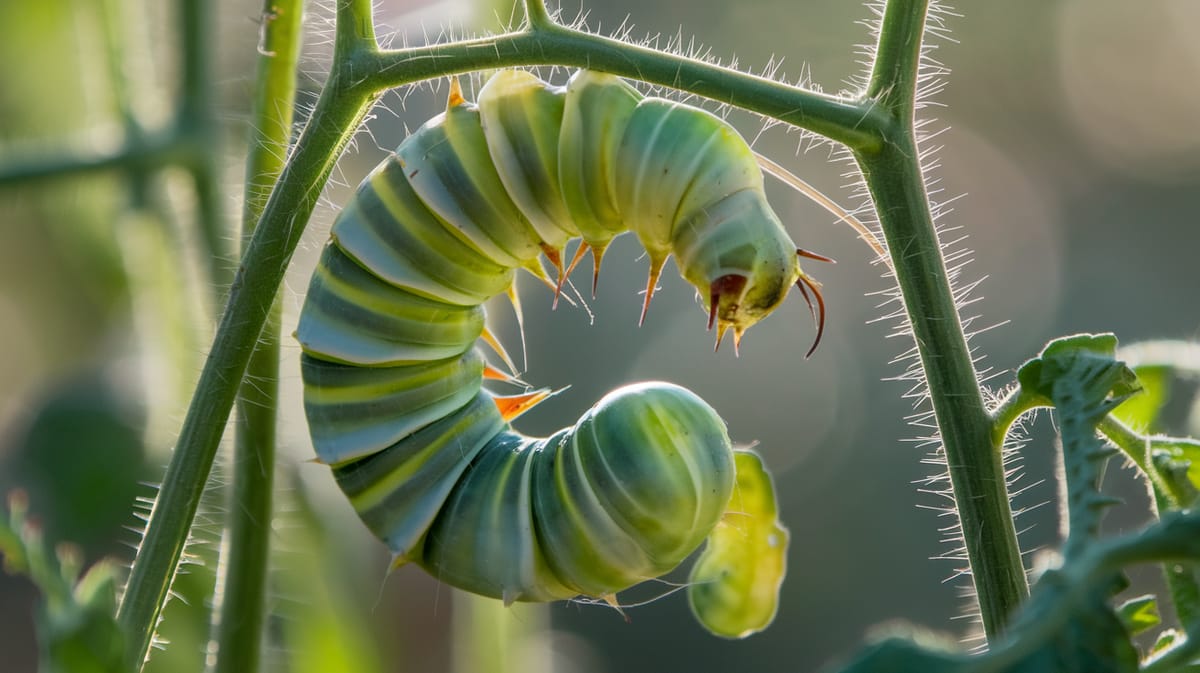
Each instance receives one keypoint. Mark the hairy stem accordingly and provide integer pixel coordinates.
(853, 123)
(341, 108)
(246, 548)
(1017, 404)
(894, 178)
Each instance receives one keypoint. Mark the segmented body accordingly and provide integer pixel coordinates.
(393, 384)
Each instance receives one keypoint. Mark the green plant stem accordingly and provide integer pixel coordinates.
(342, 105)
(196, 123)
(853, 123)
(1012, 407)
(1136, 447)
(893, 176)
(79, 156)
(536, 15)
(246, 549)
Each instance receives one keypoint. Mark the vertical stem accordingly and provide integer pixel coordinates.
(197, 124)
(976, 469)
(894, 178)
(340, 109)
(244, 560)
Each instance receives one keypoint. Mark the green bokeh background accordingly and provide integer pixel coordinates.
(1071, 133)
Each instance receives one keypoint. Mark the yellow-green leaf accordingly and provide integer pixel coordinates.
(734, 586)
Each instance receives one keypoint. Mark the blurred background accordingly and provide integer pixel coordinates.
(1071, 141)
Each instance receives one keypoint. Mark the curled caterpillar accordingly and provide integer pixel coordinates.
(392, 381)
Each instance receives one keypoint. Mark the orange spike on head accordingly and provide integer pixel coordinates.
(812, 255)
(721, 329)
(737, 341)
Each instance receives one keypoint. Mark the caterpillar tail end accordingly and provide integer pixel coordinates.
(734, 586)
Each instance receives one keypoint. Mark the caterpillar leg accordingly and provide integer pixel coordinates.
(730, 285)
(597, 254)
(656, 266)
(511, 406)
(490, 339)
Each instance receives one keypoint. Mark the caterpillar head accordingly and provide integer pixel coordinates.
(737, 301)
(738, 256)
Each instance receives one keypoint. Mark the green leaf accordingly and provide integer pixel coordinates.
(77, 630)
(1093, 639)
(1141, 411)
(734, 586)
(1139, 614)
(1075, 353)
(901, 655)
(83, 637)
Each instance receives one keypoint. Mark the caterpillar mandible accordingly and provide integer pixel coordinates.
(393, 390)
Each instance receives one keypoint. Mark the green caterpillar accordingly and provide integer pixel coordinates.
(392, 381)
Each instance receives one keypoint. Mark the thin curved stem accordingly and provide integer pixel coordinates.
(536, 15)
(1017, 404)
(246, 549)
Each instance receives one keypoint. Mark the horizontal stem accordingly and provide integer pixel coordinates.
(855, 123)
(80, 157)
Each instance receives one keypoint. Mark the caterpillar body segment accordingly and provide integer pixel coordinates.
(393, 388)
